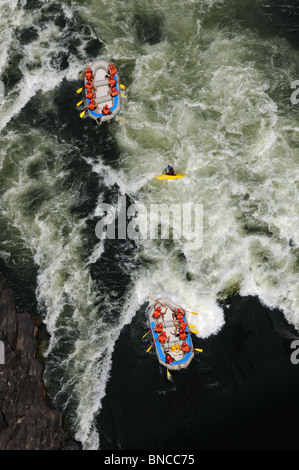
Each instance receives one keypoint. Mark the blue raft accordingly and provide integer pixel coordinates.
(173, 346)
(99, 71)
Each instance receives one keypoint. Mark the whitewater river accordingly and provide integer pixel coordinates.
(210, 89)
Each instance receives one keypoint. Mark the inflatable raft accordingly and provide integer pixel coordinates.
(99, 70)
(173, 345)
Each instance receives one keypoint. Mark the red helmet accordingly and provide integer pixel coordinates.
(184, 344)
(160, 325)
(159, 309)
(164, 333)
(179, 310)
(106, 106)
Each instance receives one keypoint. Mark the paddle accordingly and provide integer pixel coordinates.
(147, 333)
(83, 112)
(196, 349)
(118, 117)
(169, 376)
(152, 345)
(79, 102)
(80, 89)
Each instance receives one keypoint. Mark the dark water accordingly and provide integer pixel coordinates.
(226, 119)
(240, 393)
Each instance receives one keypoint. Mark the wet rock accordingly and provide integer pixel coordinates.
(27, 421)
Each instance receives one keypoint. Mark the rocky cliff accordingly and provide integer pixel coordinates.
(27, 421)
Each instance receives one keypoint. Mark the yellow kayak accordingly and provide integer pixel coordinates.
(169, 177)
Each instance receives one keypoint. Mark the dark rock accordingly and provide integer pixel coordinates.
(27, 420)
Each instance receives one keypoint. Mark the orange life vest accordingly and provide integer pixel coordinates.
(156, 314)
(91, 106)
(169, 359)
(106, 111)
(113, 92)
(185, 348)
(162, 338)
(159, 328)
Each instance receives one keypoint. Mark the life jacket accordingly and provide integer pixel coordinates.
(88, 87)
(180, 315)
(89, 95)
(159, 328)
(156, 314)
(112, 82)
(162, 338)
(183, 334)
(185, 348)
(169, 359)
(113, 92)
(88, 75)
(182, 324)
(91, 106)
(106, 111)
(111, 69)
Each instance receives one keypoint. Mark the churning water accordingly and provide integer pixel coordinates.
(209, 90)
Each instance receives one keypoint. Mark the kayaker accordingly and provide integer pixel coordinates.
(169, 171)
(157, 312)
(106, 110)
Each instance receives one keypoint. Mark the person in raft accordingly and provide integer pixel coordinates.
(113, 92)
(185, 347)
(169, 359)
(158, 328)
(157, 312)
(88, 74)
(112, 69)
(178, 313)
(163, 338)
(92, 105)
(169, 171)
(106, 110)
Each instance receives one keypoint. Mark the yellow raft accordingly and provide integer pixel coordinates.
(169, 177)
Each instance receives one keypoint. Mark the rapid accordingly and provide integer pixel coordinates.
(208, 86)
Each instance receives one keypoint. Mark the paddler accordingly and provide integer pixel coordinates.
(182, 334)
(185, 347)
(88, 74)
(169, 171)
(158, 328)
(92, 105)
(163, 338)
(113, 92)
(179, 314)
(106, 110)
(157, 312)
(112, 69)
